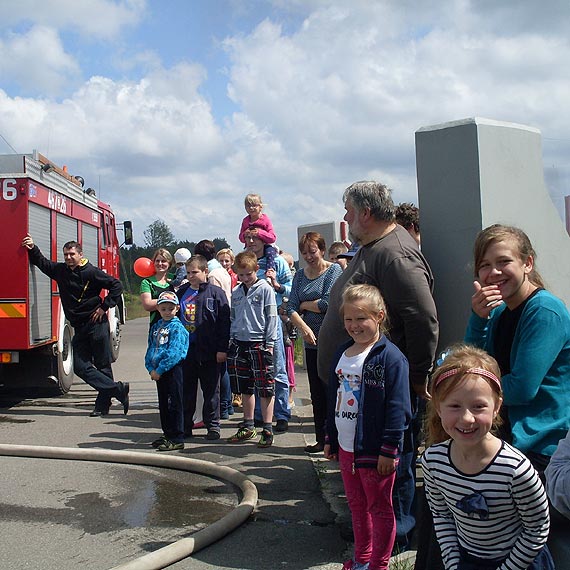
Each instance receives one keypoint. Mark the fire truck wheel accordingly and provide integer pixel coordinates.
(115, 325)
(65, 362)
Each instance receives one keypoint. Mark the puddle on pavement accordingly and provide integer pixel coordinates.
(183, 501)
(151, 498)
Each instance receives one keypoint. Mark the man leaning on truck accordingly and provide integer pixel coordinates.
(80, 285)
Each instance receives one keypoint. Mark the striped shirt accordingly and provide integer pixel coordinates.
(518, 522)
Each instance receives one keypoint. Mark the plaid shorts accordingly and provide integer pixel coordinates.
(251, 369)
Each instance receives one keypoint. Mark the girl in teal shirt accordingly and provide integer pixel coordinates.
(527, 329)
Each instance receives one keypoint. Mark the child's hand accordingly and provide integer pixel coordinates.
(154, 375)
(328, 455)
(221, 357)
(386, 465)
(271, 274)
(485, 299)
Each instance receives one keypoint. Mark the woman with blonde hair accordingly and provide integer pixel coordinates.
(153, 286)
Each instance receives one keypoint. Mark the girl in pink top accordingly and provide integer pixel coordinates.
(262, 224)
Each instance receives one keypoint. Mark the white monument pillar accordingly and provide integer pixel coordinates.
(471, 174)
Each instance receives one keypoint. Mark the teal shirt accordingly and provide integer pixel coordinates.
(537, 390)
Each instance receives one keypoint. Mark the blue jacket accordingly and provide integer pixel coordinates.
(212, 320)
(282, 274)
(537, 390)
(384, 411)
(167, 345)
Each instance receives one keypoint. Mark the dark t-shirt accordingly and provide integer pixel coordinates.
(506, 329)
(504, 336)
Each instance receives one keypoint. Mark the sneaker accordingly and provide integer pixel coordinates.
(225, 416)
(158, 442)
(168, 445)
(236, 400)
(281, 426)
(212, 434)
(266, 439)
(315, 448)
(242, 434)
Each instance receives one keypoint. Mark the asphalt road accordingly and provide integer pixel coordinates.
(66, 514)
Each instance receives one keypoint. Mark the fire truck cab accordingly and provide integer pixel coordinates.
(39, 198)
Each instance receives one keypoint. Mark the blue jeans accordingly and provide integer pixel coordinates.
(281, 409)
(404, 494)
(225, 391)
(403, 499)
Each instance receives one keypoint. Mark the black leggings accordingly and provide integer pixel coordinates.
(318, 394)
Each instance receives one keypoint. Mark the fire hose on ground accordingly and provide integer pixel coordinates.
(184, 547)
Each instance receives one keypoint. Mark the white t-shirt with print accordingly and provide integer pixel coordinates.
(349, 374)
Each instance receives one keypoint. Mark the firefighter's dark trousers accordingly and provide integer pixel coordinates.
(92, 361)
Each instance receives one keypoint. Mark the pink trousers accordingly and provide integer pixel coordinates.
(369, 496)
(290, 364)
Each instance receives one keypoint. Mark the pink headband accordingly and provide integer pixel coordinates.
(479, 371)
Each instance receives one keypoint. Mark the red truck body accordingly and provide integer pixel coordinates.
(39, 198)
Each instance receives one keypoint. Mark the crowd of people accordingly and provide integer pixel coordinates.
(498, 405)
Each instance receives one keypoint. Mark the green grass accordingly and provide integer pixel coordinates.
(299, 352)
(134, 307)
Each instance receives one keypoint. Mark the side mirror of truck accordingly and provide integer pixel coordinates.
(128, 228)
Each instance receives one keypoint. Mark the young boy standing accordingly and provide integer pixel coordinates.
(253, 333)
(205, 313)
(167, 348)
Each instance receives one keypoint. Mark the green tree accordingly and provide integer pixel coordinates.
(158, 234)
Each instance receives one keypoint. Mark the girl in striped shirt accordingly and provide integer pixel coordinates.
(488, 504)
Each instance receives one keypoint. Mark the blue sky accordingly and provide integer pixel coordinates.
(176, 109)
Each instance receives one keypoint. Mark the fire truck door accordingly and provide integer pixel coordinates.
(39, 285)
(89, 243)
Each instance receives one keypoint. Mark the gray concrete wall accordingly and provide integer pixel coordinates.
(471, 174)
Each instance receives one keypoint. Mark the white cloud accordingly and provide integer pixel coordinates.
(37, 60)
(337, 100)
(98, 18)
(352, 85)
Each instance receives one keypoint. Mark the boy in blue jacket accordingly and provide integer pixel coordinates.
(167, 348)
(205, 313)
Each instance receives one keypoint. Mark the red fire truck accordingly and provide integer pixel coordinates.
(39, 198)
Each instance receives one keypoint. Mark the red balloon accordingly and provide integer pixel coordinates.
(144, 267)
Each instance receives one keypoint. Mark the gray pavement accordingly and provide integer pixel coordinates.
(98, 515)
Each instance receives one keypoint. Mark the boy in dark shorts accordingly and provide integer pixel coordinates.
(253, 333)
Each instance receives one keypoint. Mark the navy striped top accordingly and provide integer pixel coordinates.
(305, 289)
(517, 524)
